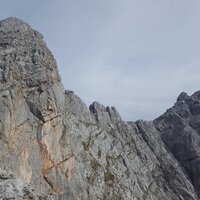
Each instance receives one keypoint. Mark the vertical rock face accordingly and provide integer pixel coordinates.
(53, 147)
(33, 140)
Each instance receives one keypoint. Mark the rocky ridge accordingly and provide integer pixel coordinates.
(54, 147)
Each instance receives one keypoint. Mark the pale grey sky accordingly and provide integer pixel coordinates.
(137, 55)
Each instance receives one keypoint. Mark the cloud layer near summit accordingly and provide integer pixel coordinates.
(137, 55)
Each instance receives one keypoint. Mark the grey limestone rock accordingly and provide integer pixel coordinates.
(33, 142)
(126, 160)
(52, 146)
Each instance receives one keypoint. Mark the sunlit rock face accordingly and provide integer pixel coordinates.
(53, 147)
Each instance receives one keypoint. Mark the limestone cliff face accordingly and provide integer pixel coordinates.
(33, 141)
(53, 147)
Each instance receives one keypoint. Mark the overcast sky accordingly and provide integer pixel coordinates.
(136, 55)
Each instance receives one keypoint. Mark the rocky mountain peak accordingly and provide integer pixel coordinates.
(183, 96)
(53, 147)
(32, 107)
(24, 56)
(106, 116)
(96, 107)
(13, 24)
(196, 95)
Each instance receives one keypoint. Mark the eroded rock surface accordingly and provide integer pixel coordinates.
(53, 147)
(33, 143)
(123, 160)
(179, 128)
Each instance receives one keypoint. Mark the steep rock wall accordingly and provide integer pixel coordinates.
(33, 143)
(53, 147)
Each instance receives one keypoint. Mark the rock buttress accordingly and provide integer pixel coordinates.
(34, 144)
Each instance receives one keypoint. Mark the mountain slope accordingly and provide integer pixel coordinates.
(124, 160)
(54, 147)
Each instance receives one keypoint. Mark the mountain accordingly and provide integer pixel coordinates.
(53, 147)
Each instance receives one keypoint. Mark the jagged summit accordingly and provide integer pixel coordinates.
(32, 107)
(24, 56)
(183, 96)
(52, 147)
(13, 28)
(14, 25)
(196, 95)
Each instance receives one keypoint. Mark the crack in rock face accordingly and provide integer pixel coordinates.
(53, 147)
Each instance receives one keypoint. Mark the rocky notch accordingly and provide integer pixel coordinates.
(54, 147)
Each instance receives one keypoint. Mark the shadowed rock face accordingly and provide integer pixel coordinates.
(180, 130)
(53, 147)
